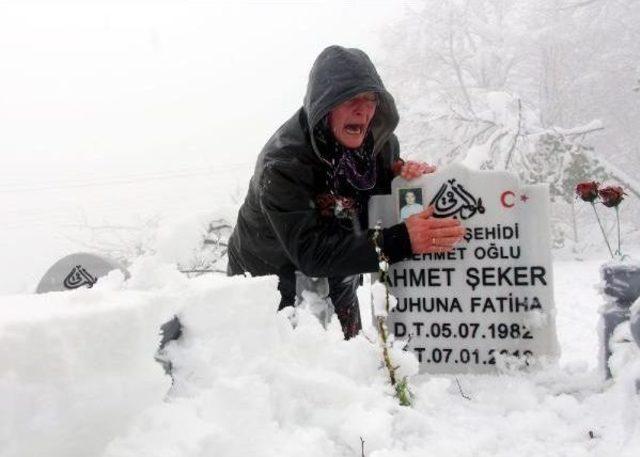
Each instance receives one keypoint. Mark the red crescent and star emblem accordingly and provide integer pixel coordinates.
(508, 198)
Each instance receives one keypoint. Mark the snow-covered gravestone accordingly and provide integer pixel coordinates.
(81, 269)
(488, 301)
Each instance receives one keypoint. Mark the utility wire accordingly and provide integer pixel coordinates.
(110, 182)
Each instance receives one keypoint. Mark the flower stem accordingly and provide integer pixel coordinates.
(401, 387)
(619, 251)
(384, 332)
(606, 240)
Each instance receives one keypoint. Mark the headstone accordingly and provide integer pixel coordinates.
(490, 300)
(169, 331)
(77, 270)
(635, 322)
(621, 287)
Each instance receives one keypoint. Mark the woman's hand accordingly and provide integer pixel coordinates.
(412, 169)
(428, 234)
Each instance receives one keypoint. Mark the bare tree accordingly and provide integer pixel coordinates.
(522, 85)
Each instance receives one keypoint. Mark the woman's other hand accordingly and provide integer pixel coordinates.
(428, 234)
(412, 169)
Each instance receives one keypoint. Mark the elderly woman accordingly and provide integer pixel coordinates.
(306, 208)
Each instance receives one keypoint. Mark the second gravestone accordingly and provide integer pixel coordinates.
(491, 298)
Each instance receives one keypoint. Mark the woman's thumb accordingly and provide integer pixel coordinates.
(427, 213)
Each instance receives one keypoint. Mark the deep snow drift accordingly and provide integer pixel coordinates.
(77, 378)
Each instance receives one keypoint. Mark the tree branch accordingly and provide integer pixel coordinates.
(461, 392)
(515, 137)
(456, 67)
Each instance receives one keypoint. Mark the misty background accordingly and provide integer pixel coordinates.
(119, 119)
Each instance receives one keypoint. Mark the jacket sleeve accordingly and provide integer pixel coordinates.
(317, 246)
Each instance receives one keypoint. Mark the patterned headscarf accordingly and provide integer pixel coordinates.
(357, 167)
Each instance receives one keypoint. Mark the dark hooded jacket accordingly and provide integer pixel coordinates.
(279, 227)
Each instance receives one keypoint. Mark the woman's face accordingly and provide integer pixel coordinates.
(349, 121)
(410, 198)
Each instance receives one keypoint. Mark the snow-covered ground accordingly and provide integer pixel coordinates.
(122, 114)
(77, 378)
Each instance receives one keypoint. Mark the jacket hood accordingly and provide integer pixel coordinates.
(339, 74)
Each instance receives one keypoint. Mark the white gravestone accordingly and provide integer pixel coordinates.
(490, 300)
(81, 269)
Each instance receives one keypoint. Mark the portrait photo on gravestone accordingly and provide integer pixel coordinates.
(410, 202)
(488, 302)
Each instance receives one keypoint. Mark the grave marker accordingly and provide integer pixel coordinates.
(489, 299)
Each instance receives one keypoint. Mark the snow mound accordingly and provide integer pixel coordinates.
(75, 367)
(77, 378)
(248, 383)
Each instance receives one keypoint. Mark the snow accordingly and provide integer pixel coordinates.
(379, 299)
(75, 367)
(164, 141)
(77, 378)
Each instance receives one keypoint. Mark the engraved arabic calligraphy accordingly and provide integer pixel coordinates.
(79, 277)
(452, 199)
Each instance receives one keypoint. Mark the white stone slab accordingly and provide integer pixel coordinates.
(491, 300)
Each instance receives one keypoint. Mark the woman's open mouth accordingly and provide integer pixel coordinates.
(354, 129)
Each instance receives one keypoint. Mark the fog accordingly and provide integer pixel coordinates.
(119, 119)
(112, 113)
(89, 87)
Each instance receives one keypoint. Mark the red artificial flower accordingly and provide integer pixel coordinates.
(326, 203)
(336, 205)
(587, 191)
(611, 196)
(345, 203)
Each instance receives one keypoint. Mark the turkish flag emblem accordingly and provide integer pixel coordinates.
(508, 198)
